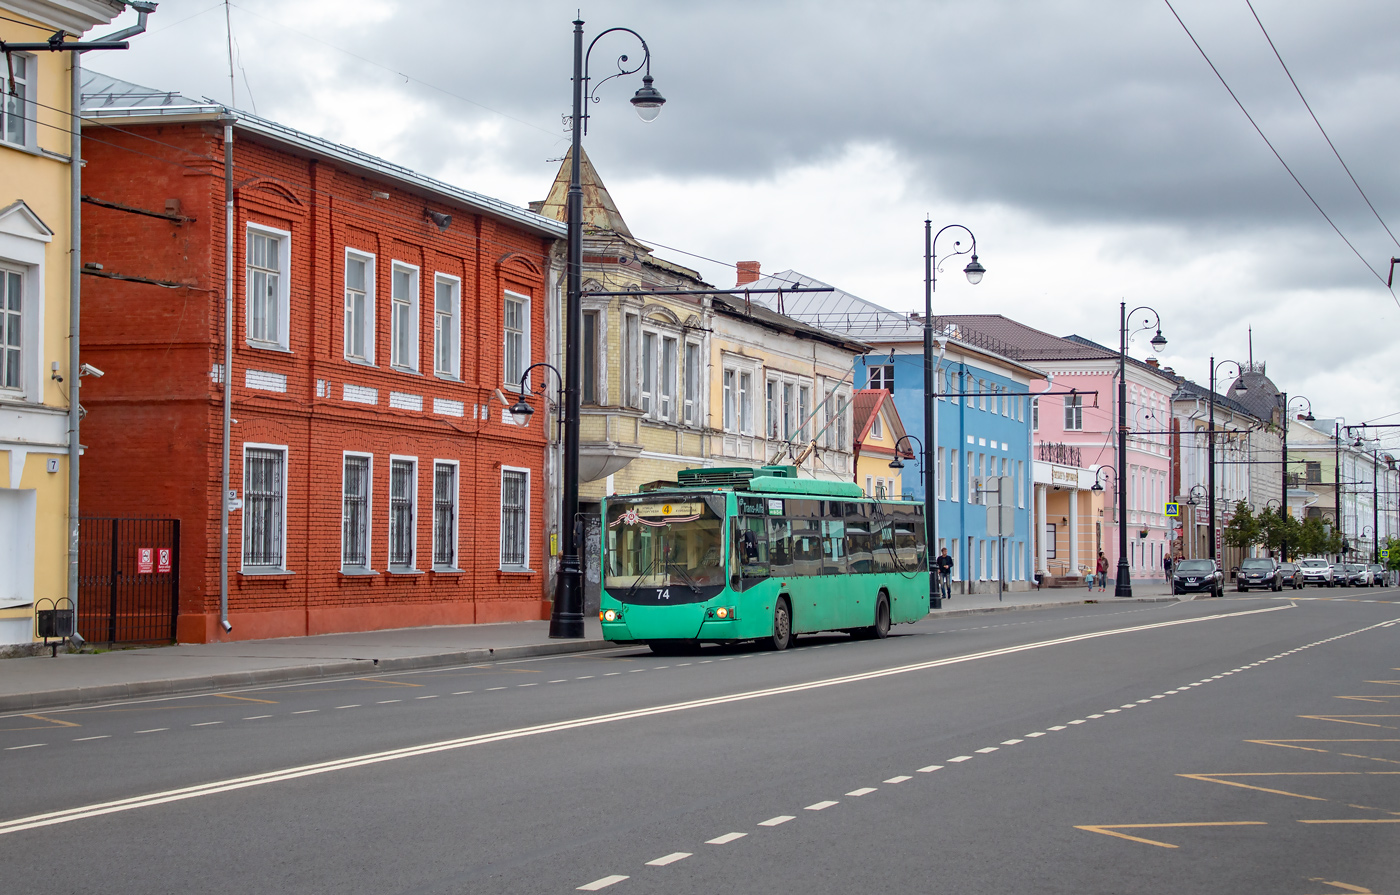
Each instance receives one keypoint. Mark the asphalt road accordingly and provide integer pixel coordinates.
(1239, 745)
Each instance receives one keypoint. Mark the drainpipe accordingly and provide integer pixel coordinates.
(75, 276)
(227, 120)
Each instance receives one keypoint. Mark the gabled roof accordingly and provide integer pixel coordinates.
(18, 219)
(866, 403)
(105, 98)
(1027, 342)
(599, 210)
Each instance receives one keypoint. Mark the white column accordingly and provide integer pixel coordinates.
(1074, 531)
(1042, 561)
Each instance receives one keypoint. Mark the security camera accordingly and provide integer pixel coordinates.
(90, 370)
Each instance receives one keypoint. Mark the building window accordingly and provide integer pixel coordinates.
(444, 515)
(731, 396)
(1050, 541)
(1314, 472)
(447, 327)
(667, 407)
(11, 328)
(771, 408)
(590, 357)
(746, 403)
(403, 318)
(1074, 412)
(517, 344)
(268, 258)
(843, 439)
(881, 377)
(1035, 414)
(403, 499)
(354, 512)
(515, 518)
(359, 307)
(789, 412)
(648, 370)
(877, 427)
(264, 507)
(693, 372)
(942, 474)
(953, 475)
(16, 108)
(631, 345)
(804, 410)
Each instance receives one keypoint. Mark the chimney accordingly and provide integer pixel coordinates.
(748, 272)
(1154, 363)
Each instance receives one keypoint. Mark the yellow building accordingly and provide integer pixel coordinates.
(879, 431)
(36, 226)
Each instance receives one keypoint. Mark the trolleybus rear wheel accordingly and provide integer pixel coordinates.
(881, 630)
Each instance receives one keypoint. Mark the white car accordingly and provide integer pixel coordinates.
(1317, 572)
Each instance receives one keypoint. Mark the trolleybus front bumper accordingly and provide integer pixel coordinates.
(685, 622)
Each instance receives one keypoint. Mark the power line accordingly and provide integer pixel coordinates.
(1278, 56)
(1260, 132)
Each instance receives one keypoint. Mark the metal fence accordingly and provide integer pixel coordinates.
(128, 579)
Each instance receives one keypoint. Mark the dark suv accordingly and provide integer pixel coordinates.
(1197, 576)
(1291, 574)
(1258, 571)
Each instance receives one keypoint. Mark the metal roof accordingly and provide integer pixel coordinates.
(106, 99)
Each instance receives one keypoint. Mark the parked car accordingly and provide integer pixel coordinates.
(1318, 572)
(1377, 574)
(1258, 571)
(1353, 574)
(1292, 574)
(1200, 576)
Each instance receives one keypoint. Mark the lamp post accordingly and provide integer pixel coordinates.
(1098, 486)
(566, 618)
(1210, 446)
(1194, 498)
(522, 411)
(1123, 587)
(1288, 412)
(974, 271)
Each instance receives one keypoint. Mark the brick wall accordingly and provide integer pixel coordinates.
(154, 425)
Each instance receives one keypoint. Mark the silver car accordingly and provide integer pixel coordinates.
(1317, 572)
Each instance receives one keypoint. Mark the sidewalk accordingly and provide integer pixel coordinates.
(43, 682)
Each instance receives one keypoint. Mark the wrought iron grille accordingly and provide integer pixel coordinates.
(263, 506)
(444, 515)
(355, 513)
(1064, 454)
(514, 488)
(128, 579)
(401, 513)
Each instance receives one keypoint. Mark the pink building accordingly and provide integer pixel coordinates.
(1074, 431)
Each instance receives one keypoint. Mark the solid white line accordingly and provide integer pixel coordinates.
(262, 779)
(601, 883)
(899, 779)
(725, 839)
(105, 736)
(863, 791)
(930, 768)
(774, 821)
(672, 858)
(821, 806)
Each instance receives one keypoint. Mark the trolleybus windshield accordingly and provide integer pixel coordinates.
(664, 551)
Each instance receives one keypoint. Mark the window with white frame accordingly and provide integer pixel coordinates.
(403, 510)
(444, 515)
(843, 438)
(355, 511)
(954, 476)
(881, 376)
(942, 474)
(666, 409)
(264, 507)
(789, 411)
(694, 374)
(731, 400)
(1074, 412)
(517, 338)
(746, 402)
(268, 287)
(17, 107)
(804, 411)
(359, 306)
(771, 408)
(515, 518)
(877, 426)
(403, 318)
(12, 329)
(447, 326)
(648, 371)
(1035, 414)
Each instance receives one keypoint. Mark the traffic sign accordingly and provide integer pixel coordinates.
(1172, 509)
(1385, 554)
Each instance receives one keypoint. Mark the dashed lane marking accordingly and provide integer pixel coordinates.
(29, 746)
(313, 711)
(352, 706)
(961, 758)
(929, 769)
(432, 696)
(153, 730)
(601, 883)
(85, 739)
(260, 717)
(1057, 727)
(776, 821)
(1038, 733)
(822, 806)
(1011, 742)
(863, 791)
(725, 839)
(206, 723)
(672, 858)
(899, 779)
(986, 749)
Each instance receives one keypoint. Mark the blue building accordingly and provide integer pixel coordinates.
(983, 423)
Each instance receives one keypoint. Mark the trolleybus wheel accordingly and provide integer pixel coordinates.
(881, 630)
(781, 638)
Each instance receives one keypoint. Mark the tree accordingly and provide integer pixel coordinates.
(1243, 529)
(1393, 545)
(1280, 531)
(1317, 538)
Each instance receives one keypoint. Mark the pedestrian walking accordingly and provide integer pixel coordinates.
(1101, 570)
(943, 565)
(1167, 566)
(1088, 578)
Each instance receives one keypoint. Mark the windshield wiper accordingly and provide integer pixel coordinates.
(689, 582)
(632, 589)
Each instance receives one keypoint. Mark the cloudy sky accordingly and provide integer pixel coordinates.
(1088, 145)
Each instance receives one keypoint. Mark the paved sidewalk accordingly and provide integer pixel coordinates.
(43, 682)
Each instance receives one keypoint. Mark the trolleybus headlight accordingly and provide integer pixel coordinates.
(721, 612)
(609, 615)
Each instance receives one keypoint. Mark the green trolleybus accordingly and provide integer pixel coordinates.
(741, 554)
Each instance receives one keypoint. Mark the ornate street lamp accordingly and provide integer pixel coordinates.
(1210, 444)
(566, 619)
(897, 463)
(1123, 587)
(974, 272)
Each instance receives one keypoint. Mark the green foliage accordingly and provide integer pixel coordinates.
(1243, 530)
(1393, 545)
(1316, 538)
(1280, 532)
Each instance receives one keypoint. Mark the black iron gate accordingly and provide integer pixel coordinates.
(128, 579)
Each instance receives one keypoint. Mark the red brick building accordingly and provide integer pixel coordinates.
(380, 318)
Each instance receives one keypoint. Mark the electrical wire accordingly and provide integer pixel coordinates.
(1268, 143)
(1320, 128)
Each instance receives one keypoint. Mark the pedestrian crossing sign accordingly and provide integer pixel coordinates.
(1172, 509)
(1385, 554)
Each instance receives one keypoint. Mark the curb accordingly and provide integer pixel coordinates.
(78, 696)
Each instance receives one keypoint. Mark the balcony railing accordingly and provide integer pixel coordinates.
(1064, 454)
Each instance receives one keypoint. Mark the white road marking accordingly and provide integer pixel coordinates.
(775, 821)
(262, 779)
(1038, 733)
(1160, 696)
(635, 670)
(683, 664)
(531, 684)
(660, 667)
(961, 758)
(1075, 721)
(489, 689)
(153, 730)
(672, 858)
(1011, 742)
(585, 678)
(380, 702)
(863, 791)
(85, 739)
(821, 806)
(987, 749)
(725, 839)
(560, 681)
(899, 779)
(310, 711)
(1131, 705)
(461, 693)
(354, 705)
(601, 883)
(206, 723)
(1057, 727)
(432, 696)
(30, 746)
(929, 769)
(708, 661)
(611, 673)
(1093, 716)
(256, 717)
(1111, 711)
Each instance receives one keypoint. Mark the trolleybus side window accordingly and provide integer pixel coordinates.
(859, 546)
(780, 543)
(806, 547)
(751, 549)
(833, 547)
